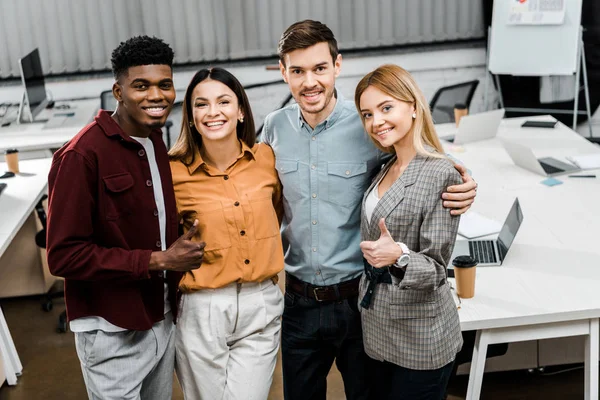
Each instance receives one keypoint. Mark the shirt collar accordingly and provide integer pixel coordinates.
(199, 162)
(111, 128)
(335, 114)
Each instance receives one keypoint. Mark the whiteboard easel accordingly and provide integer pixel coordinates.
(538, 50)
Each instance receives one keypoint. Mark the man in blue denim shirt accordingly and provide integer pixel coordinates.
(325, 162)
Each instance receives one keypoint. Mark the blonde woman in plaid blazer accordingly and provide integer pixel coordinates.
(410, 322)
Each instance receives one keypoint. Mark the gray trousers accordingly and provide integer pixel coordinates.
(128, 365)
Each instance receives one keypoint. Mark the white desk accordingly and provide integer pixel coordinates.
(17, 202)
(33, 137)
(547, 286)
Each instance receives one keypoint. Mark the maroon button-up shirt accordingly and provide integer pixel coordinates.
(103, 226)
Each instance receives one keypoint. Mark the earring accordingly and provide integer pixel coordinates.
(191, 124)
(242, 119)
(414, 115)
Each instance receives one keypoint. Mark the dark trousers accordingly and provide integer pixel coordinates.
(398, 383)
(314, 334)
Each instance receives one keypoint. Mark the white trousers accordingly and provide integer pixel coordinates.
(131, 365)
(227, 340)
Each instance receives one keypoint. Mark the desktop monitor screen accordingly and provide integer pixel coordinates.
(33, 82)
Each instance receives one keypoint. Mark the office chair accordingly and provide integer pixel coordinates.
(284, 103)
(108, 101)
(40, 241)
(443, 101)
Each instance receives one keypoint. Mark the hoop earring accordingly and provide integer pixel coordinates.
(414, 115)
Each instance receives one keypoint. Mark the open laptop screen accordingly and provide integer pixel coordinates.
(509, 229)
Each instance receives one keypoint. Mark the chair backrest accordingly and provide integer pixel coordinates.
(443, 101)
(108, 101)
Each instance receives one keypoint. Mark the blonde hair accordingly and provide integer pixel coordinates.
(395, 81)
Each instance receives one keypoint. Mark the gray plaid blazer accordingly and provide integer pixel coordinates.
(414, 322)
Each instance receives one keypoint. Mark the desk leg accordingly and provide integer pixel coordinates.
(477, 365)
(591, 361)
(8, 353)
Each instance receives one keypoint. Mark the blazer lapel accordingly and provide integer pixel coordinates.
(395, 194)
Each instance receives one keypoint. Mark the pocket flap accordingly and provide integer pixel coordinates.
(413, 310)
(119, 182)
(285, 166)
(346, 170)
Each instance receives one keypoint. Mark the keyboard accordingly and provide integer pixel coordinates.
(549, 168)
(483, 251)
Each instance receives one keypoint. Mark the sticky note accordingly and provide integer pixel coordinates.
(551, 182)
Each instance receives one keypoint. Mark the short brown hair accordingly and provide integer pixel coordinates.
(304, 34)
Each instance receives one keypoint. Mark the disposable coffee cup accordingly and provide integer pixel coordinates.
(12, 160)
(464, 273)
(460, 110)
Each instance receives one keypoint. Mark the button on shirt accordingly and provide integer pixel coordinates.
(324, 172)
(238, 211)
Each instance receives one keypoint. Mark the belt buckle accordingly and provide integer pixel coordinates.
(315, 291)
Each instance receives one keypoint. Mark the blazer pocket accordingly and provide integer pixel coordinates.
(414, 310)
(118, 198)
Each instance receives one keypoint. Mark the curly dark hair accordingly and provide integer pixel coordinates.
(140, 50)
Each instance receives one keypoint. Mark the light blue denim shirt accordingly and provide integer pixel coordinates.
(324, 173)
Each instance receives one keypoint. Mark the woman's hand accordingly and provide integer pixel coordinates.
(382, 252)
(460, 197)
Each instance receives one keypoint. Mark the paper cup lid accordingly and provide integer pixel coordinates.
(464, 262)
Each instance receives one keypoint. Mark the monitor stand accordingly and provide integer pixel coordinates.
(21, 118)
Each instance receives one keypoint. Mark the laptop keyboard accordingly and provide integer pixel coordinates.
(549, 168)
(483, 251)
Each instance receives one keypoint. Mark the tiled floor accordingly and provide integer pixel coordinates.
(51, 368)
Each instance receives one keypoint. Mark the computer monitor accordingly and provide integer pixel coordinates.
(34, 98)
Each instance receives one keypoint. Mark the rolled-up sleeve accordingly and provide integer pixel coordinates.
(72, 212)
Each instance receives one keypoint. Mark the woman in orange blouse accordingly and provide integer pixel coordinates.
(230, 316)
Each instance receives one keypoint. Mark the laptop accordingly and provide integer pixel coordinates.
(547, 166)
(476, 127)
(493, 252)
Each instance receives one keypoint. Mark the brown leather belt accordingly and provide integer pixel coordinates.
(335, 292)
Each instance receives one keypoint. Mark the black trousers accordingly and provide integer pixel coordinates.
(392, 381)
(314, 334)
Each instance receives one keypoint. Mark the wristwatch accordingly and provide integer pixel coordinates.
(403, 260)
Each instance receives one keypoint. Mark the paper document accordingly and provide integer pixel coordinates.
(586, 161)
(473, 225)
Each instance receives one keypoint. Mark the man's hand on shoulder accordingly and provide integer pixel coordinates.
(183, 255)
(459, 198)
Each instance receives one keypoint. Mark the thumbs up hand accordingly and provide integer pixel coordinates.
(382, 252)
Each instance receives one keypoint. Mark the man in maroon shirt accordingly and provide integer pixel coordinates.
(112, 232)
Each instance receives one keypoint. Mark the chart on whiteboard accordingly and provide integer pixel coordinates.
(536, 12)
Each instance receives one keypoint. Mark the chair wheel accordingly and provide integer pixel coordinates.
(47, 305)
(62, 327)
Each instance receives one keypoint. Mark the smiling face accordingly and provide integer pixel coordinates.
(310, 74)
(386, 119)
(215, 110)
(145, 95)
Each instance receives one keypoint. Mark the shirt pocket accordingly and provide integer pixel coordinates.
(264, 217)
(212, 226)
(346, 182)
(289, 177)
(119, 200)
